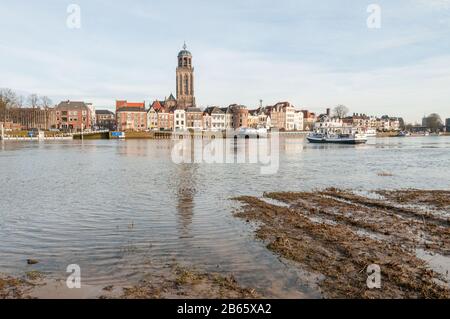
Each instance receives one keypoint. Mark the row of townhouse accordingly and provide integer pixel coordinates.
(384, 123)
(165, 116)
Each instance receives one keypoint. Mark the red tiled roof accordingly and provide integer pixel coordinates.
(157, 106)
(125, 103)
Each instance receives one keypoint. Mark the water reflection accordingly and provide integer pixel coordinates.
(185, 185)
(186, 190)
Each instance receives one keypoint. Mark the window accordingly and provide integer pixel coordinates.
(186, 84)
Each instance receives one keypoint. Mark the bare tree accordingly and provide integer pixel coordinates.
(46, 102)
(8, 98)
(20, 101)
(33, 100)
(340, 111)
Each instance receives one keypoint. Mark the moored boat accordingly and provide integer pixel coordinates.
(337, 138)
(333, 130)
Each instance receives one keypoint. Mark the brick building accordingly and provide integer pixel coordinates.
(73, 116)
(105, 119)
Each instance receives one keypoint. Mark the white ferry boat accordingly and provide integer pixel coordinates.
(333, 130)
(352, 138)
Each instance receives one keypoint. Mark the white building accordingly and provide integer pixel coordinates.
(218, 120)
(282, 116)
(228, 118)
(327, 124)
(298, 121)
(179, 120)
(93, 117)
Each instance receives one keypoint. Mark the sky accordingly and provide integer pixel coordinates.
(314, 54)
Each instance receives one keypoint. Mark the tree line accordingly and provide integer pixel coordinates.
(10, 99)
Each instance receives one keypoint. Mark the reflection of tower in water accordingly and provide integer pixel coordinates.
(186, 190)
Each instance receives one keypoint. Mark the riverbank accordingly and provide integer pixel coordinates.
(337, 234)
(173, 282)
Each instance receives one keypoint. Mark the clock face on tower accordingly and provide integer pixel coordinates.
(185, 79)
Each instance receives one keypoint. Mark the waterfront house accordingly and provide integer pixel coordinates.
(179, 121)
(298, 120)
(214, 119)
(105, 119)
(228, 117)
(253, 119)
(73, 116)
(282, 116)
(194, 118)
(308, 120)
(152, 116)
(165, 119)
(131, 119)
(239, 116)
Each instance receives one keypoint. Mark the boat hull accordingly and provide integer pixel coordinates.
(351, 141)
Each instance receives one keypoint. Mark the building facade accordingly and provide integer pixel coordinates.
(165, 119)
(27, 118)
(194, 118)
(298, 121)
(282, 116)
(73, 116)
(239, 116)
(214, 119)
(179, 120)
(105, 119)
(131, 119)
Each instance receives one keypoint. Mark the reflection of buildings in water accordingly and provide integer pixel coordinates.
(185, 192)
(143, 147)
(133, 148)
(292, 147)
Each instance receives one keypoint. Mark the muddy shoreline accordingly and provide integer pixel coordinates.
(176, 282)
(337, 234)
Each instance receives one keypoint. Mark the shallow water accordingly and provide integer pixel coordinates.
(123, 208)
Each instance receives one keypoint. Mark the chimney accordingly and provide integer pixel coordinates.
(328, 111)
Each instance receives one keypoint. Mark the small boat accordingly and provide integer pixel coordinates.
(353, 138)
(252, 133)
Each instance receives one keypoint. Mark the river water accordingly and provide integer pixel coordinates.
(120, 209)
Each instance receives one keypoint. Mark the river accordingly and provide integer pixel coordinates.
(120, 209)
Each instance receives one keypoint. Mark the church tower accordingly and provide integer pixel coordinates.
(185, 79)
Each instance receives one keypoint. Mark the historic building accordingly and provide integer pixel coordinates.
(185, 79)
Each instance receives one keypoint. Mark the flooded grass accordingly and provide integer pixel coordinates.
(435, 198)
(13, 288)
(188, 283)
(175, 282)
(365, 231)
